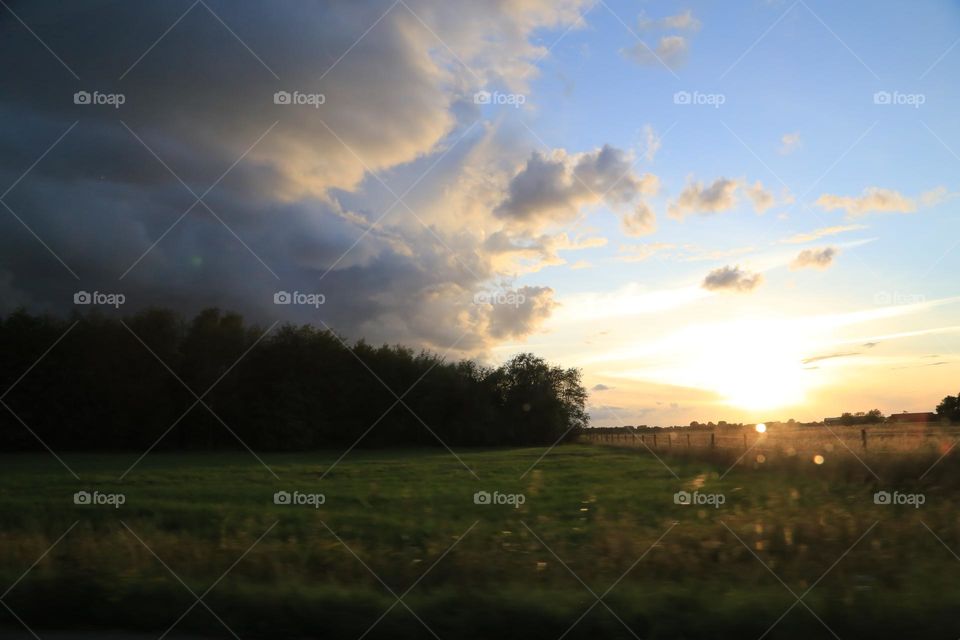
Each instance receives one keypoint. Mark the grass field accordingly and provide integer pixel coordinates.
(595, 522)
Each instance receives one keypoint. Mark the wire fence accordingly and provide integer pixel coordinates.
(880, 438)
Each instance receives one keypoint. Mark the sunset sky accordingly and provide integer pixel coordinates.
(719, 211)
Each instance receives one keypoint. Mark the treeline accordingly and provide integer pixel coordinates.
(106, 386)
(874, 416)
(949, 408)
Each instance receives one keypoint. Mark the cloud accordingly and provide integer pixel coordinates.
(601, 387)
(641, 252)
(685, 21)
(557, 185)
(697, 255)
(822, 232)
(814, 258)
(524, 253)
(641, 222)
(732, 279)
(935, 196)
(761, 198)
(790, 142)
(695, 198)
(830, 357)
(651, 143)
(299, 208)
(522, 312)
(670, 51)
(879, 200)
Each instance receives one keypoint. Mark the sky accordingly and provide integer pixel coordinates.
(717, 211)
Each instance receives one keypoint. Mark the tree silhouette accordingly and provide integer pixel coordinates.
(112, 384)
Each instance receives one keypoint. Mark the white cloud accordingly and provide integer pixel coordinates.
(720, 254)
(880, 200)
(670, 51)
(684, 21)
(761, 198)
(641, 222)
(641, 252)
(790, 142)
(524, 253)
(822, 232)
(651, 143)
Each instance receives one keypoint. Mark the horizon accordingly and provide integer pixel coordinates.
(711, 210)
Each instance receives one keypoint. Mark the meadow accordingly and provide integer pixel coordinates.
(599, 545)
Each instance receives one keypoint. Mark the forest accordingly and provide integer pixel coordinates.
(98, 383)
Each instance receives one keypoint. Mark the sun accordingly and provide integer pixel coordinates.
(752, 363)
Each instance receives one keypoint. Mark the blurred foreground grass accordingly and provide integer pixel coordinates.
(593, 518)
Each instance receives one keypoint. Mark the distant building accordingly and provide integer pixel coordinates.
(829, 421)
(914, 417)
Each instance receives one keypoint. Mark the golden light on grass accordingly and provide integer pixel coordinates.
(761, 428)
(818, 459)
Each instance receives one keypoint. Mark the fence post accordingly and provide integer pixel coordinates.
(713, 440)
(863, 438)
(643, 438)
(654, 441)
(669, 441)
(744, 442)
(688, 440)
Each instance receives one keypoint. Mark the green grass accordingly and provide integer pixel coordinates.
(598, 509)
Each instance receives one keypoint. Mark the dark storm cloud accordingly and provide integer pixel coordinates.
(116, 198)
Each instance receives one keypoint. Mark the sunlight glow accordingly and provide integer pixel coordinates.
(761, 428)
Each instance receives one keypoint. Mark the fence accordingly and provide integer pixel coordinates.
(813, 439)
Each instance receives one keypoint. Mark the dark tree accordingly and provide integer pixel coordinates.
(111, 384)
(949, 408)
